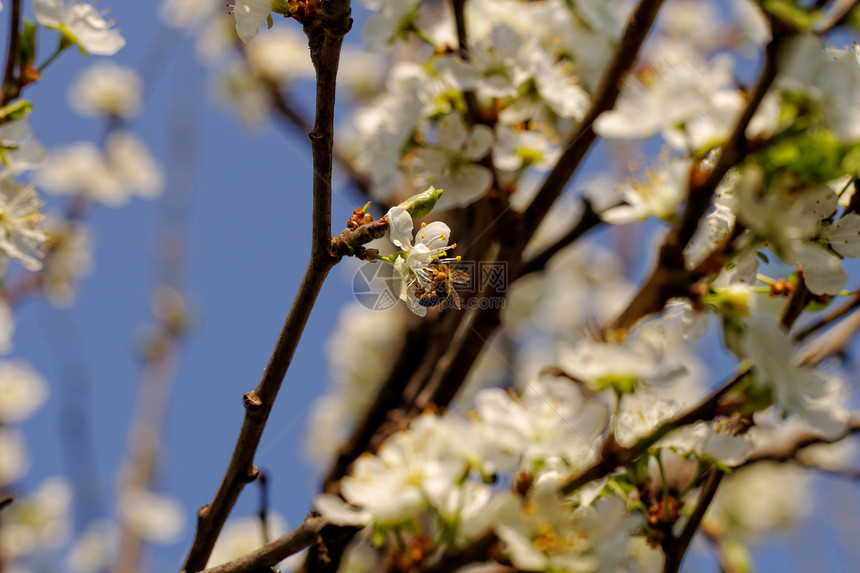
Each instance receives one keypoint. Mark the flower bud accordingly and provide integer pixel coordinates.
(420, 205)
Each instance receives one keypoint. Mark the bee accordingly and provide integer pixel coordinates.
(440, 287)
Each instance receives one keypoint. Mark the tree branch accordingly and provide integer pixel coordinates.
(787, 451)
(11, 85)
(670, 277)
(675, 553)
(276, 551)
(325, 32)
(839, 18)
(829, 318)
(603, 99)
(587, 221)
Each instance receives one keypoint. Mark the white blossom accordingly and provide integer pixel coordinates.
(22, 236)
(798, 390)
(389, 20)
(14, 460)
(280, 56)
(19, 152)
(69, 259)
(543, 532)
(22, 391)
(96, 548)
(112, 177)
(452, 165)
(152, 516)
(675, 91)
(81, 23)
(431, 242)
(106, 88)
(38, 522)
(553, 418)
(659, 193)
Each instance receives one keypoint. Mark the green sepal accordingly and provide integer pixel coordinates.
(27, 49)
(420, 205)
(15, 110)
(279, 7)
(801, 19)
(366, 207)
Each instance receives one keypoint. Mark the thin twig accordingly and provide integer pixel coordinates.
(675, 553)
(263, 511)
(838, 19)
(720, 547)
(832, 343)
(6, 500)
(829, 318)
(276, 551)
(325, 35)
(11, 85)
(787, 451)
(588, 220)
(477, 552)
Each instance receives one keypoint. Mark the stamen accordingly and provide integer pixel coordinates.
(423, 225)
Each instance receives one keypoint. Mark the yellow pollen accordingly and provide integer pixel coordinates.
(454, 246)
(423, 225)
(459, 257)
(422, 235)
(442, 236)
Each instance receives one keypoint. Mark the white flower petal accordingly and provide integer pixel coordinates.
(250, 15)
(844, 236)
(435, 235)
(400, 227)
(48, 12)
(338, 512)
(92, 32)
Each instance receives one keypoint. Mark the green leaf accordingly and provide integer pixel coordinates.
(269, 22)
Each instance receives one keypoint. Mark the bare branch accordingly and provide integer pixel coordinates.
(325, 32)
(11, 85)
(276, 551)
(587, 221)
